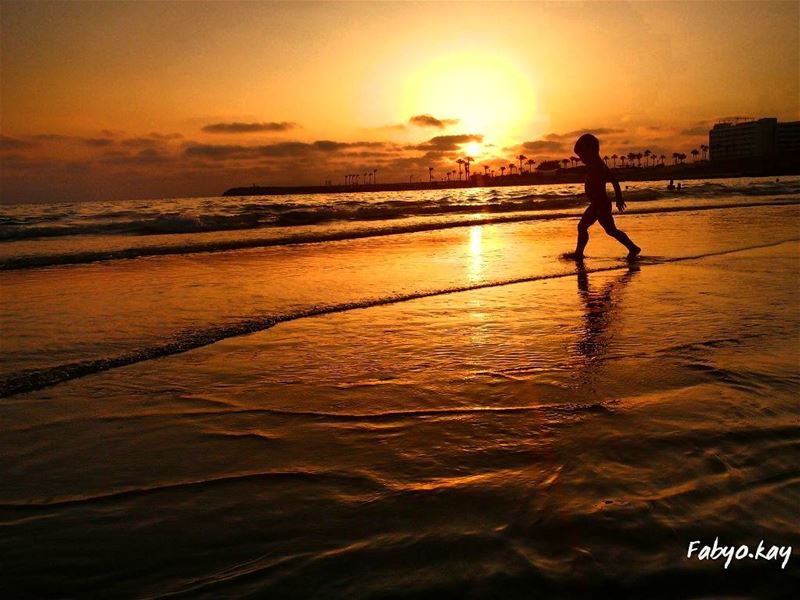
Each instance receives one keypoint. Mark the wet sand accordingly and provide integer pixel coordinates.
(509, 425)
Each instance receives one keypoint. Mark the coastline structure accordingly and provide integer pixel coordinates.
(781, 166)
(738, 147)
(750, 138)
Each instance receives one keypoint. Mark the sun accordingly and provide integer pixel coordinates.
(472, 149)
(489, 94)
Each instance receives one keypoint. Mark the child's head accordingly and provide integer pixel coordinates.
(587, 147)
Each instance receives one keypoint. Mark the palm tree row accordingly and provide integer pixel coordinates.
(355, 179)
(650, 158)
(488, 171)
(631, 159)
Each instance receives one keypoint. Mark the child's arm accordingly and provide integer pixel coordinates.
(617, 190)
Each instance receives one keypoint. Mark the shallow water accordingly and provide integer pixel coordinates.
(64, 233)
(565, 434)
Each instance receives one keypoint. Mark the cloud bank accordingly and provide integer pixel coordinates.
(249, 127)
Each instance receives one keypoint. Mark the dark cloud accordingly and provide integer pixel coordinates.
(431, 121)
(700, 128)
(58, 137)
(165, 136)
(226, 151)
(148, 156)
(329, 146)
(557, 137)
(9, 143)
(248, 127)
(447, 143)
(139, 142)
(278, 150)
(543, 146)
(150, 140)
(145, 140)
(52, 137)
(97, 142)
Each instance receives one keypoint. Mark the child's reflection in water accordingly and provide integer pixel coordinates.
(600, 306)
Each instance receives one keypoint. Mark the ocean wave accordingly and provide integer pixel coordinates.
(160, 224)
(36, 379)
(212, 215)
(482, 218)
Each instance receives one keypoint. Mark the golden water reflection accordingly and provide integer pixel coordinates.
(476, 253)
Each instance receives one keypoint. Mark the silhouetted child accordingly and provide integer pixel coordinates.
(597, 175)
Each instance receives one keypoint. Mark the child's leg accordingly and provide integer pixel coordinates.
(588, 218)
(607, 221)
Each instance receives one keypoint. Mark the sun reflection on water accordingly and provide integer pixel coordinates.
(476, 253)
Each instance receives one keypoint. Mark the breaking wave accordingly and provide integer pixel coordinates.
(201, 215)
(190, 246)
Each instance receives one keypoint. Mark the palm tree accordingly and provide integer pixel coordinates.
(366, 178)
(663, 158)
(565, 162)
(374, 171)
(675, 156)
(647, 154)
(502, 171)
(486, 170)
(511, 168)
(614, 157)
(520, 158)
(460, 162)
(605, 159)
(467, 160)
(430, 174)
(530, 163)
(573, 160)
(704, 150)
(682, 157)
(631, 157)
(695, 152)
(622, 160)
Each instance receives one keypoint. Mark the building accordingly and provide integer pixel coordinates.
(788, 138)
(751, 138)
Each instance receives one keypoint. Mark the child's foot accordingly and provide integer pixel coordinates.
(634, 252)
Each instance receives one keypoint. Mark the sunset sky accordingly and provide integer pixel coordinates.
(142, 100)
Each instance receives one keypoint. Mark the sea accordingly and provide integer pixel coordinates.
(401, 395)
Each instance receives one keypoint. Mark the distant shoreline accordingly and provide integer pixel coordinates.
(785, 166)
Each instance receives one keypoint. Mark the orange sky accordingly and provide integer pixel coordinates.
(125, 100)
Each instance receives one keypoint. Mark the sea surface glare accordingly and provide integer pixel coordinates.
(400, 395)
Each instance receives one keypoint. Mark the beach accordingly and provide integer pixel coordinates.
(403, 396)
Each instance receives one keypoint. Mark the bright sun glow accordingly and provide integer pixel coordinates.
(472, 149)
(487, 93)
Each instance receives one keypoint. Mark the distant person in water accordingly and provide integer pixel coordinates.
(671, 185)
(597, 175)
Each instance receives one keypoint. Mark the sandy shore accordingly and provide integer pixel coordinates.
(567, 433)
